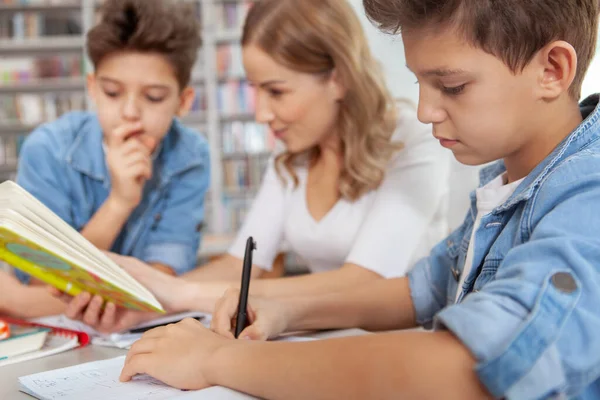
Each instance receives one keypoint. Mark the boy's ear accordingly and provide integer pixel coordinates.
(91, 85)
(559, 67)
(186, 99)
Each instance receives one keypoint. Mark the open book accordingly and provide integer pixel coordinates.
(38, 242)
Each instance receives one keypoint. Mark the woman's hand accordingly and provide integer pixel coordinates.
(267, 318)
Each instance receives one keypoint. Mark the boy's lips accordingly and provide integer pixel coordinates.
(135, 134)
(447, 142)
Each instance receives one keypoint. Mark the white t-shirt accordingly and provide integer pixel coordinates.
(386, 230)
(490, 196)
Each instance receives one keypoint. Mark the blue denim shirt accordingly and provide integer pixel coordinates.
(62, 163)
(529, 310)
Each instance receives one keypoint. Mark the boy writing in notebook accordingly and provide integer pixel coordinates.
(513, 293)
(130, 177)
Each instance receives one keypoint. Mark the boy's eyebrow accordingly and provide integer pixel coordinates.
(151, 86)
(441, 72)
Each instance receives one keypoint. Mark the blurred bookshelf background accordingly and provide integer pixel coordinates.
(42, 75)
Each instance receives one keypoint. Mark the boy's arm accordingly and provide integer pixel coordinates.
(529, 327)
(128, 175)
(378, 304)
(384, 304)
(20, 301)
(106, 224)
(174, 239)
(408, 365)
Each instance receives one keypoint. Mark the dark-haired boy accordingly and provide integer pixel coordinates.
(513, 294)
(129, 176)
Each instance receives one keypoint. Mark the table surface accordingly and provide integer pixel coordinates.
(9, 385)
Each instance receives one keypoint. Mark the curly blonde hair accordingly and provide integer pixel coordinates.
(318, 37)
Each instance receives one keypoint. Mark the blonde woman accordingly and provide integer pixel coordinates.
(359, 192)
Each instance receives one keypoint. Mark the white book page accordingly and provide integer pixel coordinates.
(39, 224)
(35, 208)
(16, 224)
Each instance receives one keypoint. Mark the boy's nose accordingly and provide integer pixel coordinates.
(429, 111)
(130, 110)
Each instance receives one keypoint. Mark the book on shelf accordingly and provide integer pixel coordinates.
(229, 61)
(235, 97)
(234, 212)
(34, 24)
(231, 15)
(31, 109)
(38, 242)
(200, 101)
(17, 70)
(243, 174)
(246, 137)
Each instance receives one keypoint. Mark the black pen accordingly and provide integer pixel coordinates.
(242, 315)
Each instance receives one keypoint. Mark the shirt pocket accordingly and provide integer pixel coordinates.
(455, 242)
(157, 209)
(487, 273)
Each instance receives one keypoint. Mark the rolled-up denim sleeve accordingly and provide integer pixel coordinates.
(428, 282)
(533, 328)
(176, 239)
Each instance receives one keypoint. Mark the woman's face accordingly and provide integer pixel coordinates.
(300, 108)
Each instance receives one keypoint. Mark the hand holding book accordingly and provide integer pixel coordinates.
(88, 308)
(38, 242)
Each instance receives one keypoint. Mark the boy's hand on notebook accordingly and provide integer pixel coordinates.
(267, 318)
(129, 160)
(187, 344)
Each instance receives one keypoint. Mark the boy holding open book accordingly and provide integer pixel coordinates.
(129, 177)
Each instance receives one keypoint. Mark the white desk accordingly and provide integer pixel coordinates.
(9, 386)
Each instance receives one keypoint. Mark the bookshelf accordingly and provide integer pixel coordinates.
(44, 66)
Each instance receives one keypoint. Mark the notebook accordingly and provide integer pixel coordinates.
(55, 341)
(124, 339)
(99, 380)
(38, 242)
(22, 339)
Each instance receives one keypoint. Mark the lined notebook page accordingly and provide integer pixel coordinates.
(99, 380)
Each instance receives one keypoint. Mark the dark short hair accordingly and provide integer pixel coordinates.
(512, 30)
(166, 27)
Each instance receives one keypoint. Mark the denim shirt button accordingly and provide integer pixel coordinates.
(564, 282)
(456, 274)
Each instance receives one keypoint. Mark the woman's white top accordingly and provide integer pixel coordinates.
(386, 230)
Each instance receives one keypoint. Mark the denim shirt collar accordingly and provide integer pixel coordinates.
(587, 132)
(86, 154)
